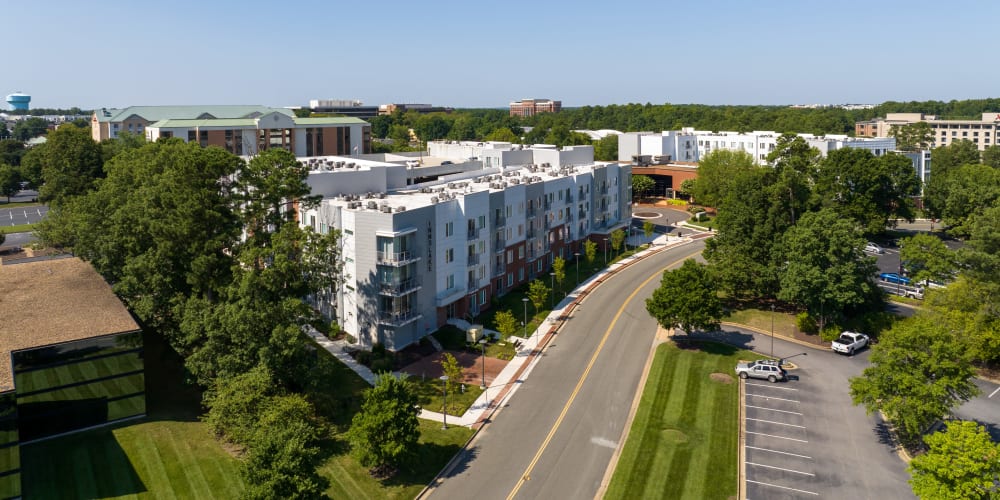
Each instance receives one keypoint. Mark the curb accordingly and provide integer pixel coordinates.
(535, 355)
(787, 339)
(741, 442)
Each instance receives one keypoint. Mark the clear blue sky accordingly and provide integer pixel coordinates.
(485, 54)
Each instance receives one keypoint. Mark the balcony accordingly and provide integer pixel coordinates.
(582, 215)
(546, 204)
(546, 224)
(448, 296)
(569, 215)
(532, 233)
(398, 318)
(473, 259)
(473, 284)
(399, 288)
(499, 245)
(500, 221)
(498, 270)
(569, 198)
(472, 234)
(396, 258)
(532, 212)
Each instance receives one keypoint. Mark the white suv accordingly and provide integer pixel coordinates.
(873, 248)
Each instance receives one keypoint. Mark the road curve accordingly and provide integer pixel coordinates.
(555, 437)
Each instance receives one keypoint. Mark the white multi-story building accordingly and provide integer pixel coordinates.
(984, 132)
(418, 253)
(689, 145)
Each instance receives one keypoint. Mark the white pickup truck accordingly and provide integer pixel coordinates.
(849, 342)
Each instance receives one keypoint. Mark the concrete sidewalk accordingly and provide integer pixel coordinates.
(517, 370)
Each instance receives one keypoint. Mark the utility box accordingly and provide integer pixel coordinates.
(474, 333)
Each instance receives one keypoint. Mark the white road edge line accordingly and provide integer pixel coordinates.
(772, 409)
(781, 468)
(772, 386)
(776, 451)
(994, 393)
(783, 487)
(778, 423)
(779, 437)
(772, 397)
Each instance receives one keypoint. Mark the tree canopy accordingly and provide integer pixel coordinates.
(912, 136)
(961, 463)
(687, 298)
(385, 431)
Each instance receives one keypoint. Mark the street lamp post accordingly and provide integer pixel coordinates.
(444, 424)
(524, 300)
(772, 330)
(552, 292)
(605, 252)
(482, 342)
(576, 255)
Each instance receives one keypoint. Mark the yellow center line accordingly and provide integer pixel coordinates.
(583, 378)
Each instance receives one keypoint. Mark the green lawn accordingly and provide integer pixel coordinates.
(684, 439)
(784, 323)
(19, 204)
(19, 228)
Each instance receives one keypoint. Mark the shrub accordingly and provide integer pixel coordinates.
(364, 357)
(830, 332)
(695, 209)
(382, 364)
(805, 323)
(378, 349)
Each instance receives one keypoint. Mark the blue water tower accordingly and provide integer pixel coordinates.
(19, 101)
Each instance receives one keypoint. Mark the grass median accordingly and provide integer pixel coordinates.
(684, 438)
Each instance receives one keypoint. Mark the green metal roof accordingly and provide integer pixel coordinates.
(157, 113)
(231, 122)
(331, 120)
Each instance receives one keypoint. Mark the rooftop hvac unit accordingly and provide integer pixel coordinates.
(381, 196)
(328, 167)
(515, 181)
(434, 199)
(351, 165)
(451, 185)
(372, 205)
(369, 195)
(386, 209)
(400, 209)
(440, 190)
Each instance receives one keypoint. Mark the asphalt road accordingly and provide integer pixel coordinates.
(558, 432)
(804, 437)
(984, 409)
(18, 240)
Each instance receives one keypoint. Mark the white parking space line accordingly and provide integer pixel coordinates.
(772, 397)
(781, 468)
(779, 452)
(783, 487)
(777, 423)
(773, 409)
(778, 437)
(994, 392)
(772, 386)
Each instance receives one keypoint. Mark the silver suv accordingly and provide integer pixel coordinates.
(765, 369)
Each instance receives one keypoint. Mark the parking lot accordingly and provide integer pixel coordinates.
(779, 461)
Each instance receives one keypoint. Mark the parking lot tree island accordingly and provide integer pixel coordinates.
(687, 298)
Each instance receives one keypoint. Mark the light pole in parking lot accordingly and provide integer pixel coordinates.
(772, 330)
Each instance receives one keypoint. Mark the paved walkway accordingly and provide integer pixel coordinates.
(517, 370)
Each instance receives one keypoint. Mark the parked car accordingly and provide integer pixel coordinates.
(849, 342)
(873, 248)
(770, 370)
(894, 278)
(932, 284)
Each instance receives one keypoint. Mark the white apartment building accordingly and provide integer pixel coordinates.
(689, 145)
(418, 253)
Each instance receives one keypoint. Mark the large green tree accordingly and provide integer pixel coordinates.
(11, 152)
(71, 163)
(606, 148)
(825, 269)
(30, 127)
(991, 156)
(641, 184)
(869, 189)
(687, 298)
(944, 159)
(961, 463)
(502, 134)
(912, 136)
(958, 195)
(10, 181)
(927, 257)
(385, 432)
(918, 373)
(716, 173)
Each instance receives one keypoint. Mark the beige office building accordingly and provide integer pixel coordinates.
(982, 133)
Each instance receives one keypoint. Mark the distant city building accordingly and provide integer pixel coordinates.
(19, 101)
(690, 145)
(984, 132)
(531, 107)
(388, 109)
(437, 236)
(73, 358)
(241, 130)
(345, 107)
(849, 107)
(596, 135)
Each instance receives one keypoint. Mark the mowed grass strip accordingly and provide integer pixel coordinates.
(158, 459)
(684, 438)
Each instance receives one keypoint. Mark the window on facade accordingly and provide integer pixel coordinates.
(450, 282)
(449, 255)
(449, 229)
(510, 280)
(520, 274)
(482, 221)
(520, 252)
